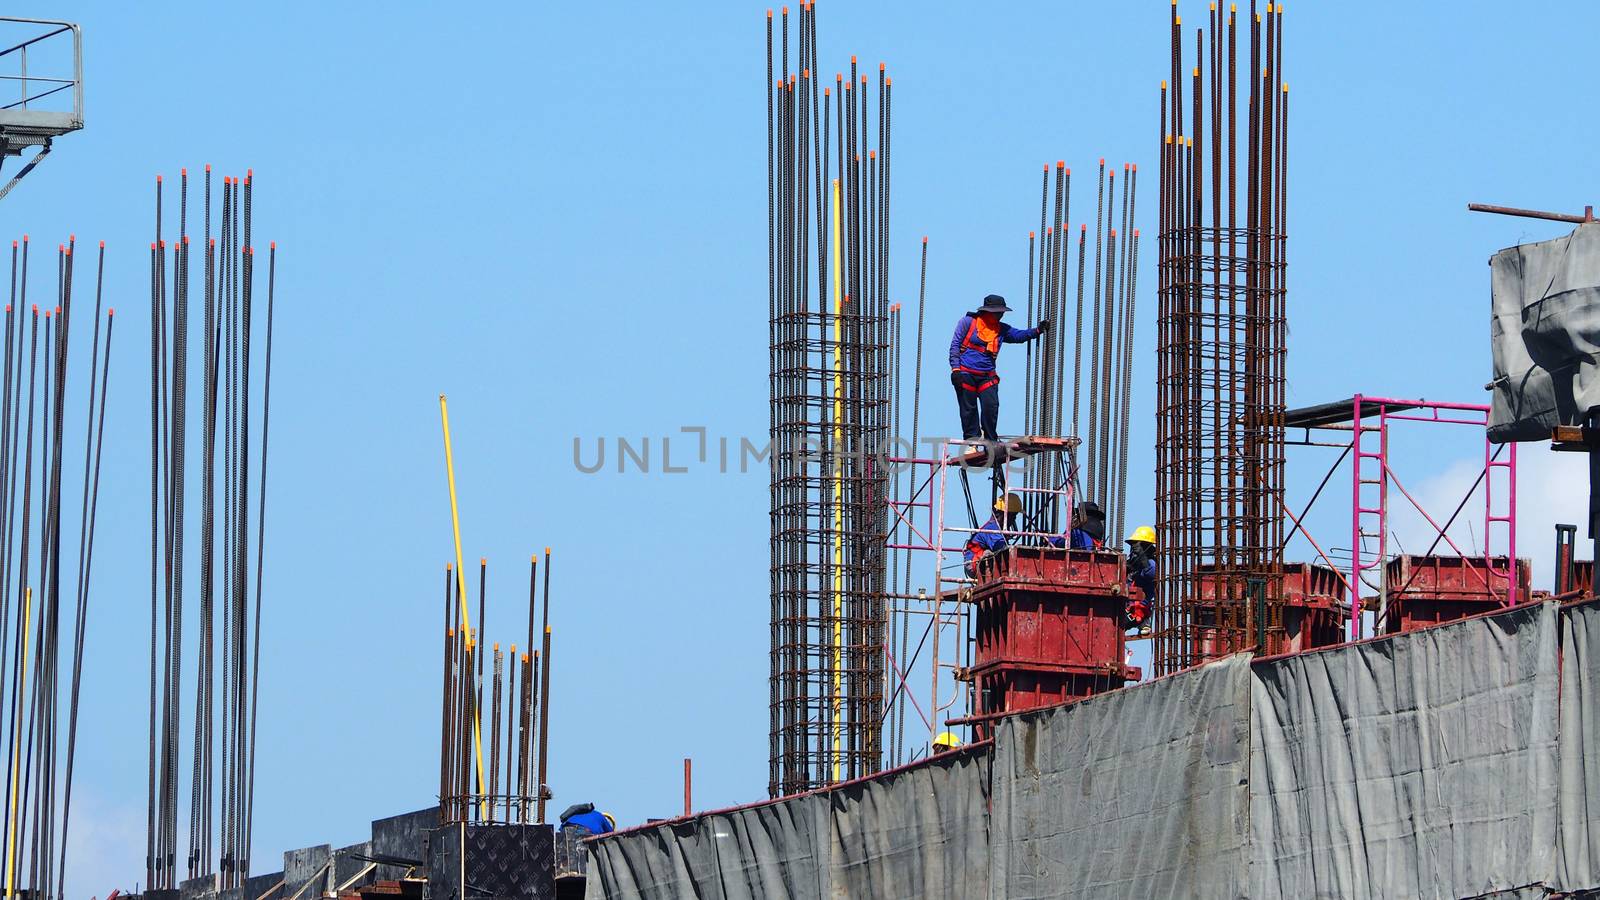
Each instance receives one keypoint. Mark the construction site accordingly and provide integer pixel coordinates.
(1195, 616)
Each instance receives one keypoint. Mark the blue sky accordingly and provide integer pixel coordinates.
(554, 214)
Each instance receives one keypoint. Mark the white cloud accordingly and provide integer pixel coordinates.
(1551, 488)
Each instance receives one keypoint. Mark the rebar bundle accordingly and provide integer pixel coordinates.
(1097, 397)
(231, 409)
(474, 784)
(828, 238)
(1221, 341)
(35, 464)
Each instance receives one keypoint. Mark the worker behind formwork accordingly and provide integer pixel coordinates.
(973, 351)
(583, 816)
(990, 537)
(945, 742)
(1141, 574)
(1088, 531)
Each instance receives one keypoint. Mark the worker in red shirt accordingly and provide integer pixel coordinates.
(973, 351)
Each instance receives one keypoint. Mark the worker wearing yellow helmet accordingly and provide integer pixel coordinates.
(945, 742)
(1142, 575)
(991, 537)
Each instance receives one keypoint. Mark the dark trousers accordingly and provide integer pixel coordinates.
(980, 409)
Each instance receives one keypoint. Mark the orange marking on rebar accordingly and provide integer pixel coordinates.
(184, 171)
(924, 239)
(547, 551)
(102, 245)
(880, 67)
(1102, 160)
(1084, 226)
(852, 59)
(1030, 235)
(111, 312)
(769, 13)
(1136, 167)
(158, 179)
(888, 82)
(249, 173)
(208, 167)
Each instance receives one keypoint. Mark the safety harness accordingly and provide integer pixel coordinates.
(973, 340)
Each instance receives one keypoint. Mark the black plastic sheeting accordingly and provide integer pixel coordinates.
(1456, 761)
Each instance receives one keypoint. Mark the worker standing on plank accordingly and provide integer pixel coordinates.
(990, 538)
(1141, 574)
(973, 351)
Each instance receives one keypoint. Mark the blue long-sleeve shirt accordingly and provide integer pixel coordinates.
(1081, 540)
(977, 356)
(986, 539)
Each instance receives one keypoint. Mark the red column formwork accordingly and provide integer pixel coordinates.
(1427, 590)
(1047, 628)
(1310, 614)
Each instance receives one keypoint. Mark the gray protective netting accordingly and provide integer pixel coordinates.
(917, 832)
(1135, 793)
(1419, 766)
(1428, 764)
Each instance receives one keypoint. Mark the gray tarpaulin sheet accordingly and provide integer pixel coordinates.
(1419, 766)
(1132, 794)
(1579, 844)
(1423, 765)
(1545, 335)
(917, 832)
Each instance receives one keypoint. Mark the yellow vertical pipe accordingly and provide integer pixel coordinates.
(11, 815)
(461, 592)
(838, 483)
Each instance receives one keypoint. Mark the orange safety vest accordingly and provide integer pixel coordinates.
(988, 341)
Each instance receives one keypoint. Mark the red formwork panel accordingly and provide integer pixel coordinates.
(1427, 590)
(1009, 688)
(1583, 575)
(1309, 614)
(1046, 607)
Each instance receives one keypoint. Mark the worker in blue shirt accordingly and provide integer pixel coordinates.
(973, 351)
(990, 537)
(1142, 574)
(1088, 531)
(584, 816)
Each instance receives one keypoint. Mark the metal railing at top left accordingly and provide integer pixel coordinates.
(33, 86)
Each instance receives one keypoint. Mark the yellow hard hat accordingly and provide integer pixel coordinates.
(1009, 503)
(1143, 533)
(947, 740)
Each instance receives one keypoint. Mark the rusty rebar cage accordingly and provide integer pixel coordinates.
(1221, 329)
(832, 412)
